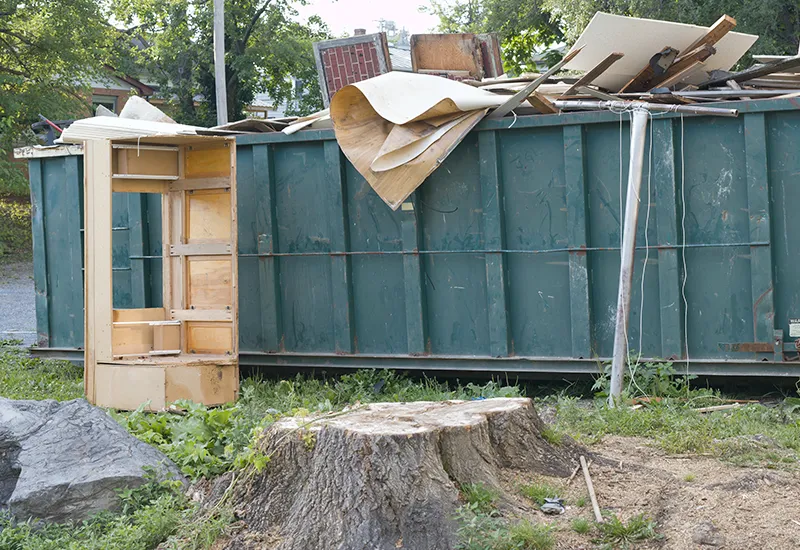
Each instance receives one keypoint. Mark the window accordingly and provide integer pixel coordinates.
(107, 101)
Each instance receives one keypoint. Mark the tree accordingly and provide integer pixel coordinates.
(264, 48)
(48, 51)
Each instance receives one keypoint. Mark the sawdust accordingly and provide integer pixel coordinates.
(686, 495)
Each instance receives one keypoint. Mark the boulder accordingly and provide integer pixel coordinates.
(63, 461)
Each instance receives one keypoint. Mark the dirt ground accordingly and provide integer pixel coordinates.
(693, 499)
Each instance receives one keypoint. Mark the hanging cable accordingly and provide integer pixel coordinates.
(683, 255)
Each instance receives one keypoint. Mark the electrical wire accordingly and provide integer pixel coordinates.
(683, 255)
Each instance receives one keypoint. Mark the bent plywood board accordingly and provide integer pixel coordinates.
(639, 39)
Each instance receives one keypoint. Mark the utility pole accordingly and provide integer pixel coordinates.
(638, 135)
(219, 62)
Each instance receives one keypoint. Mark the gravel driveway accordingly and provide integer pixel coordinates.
(17, 302)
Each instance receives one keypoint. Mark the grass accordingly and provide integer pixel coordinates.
(537, 492)
(479, 530)
(15, 229)
(24, 377)
(483, 498)
(581, 525)
(748, 435)
(532, 536)
(580, 502)
(614, 533)
(689, 478)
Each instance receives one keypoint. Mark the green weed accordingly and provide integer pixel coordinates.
(25, 377)
(483, 498)
(689, 478)
(552, 436)
(581, 525)
(479, 530)
(580, 502)
(531, 536)
(537, 492)
(614, 533)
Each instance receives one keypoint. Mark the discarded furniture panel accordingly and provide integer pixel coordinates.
(186, 348)
(457, 56)
(346, 61)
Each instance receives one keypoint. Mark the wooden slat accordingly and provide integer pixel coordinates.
(201, 314)
(221, 182)
(139, 314)
(494, 235)
(657, 65)
(577, 216)
(594, 72)
(756, 72)
(200, 249)
(542, 104)
(720, 28)
(682, 75)
(139, 185)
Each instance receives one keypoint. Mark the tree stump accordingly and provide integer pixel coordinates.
(387, 475)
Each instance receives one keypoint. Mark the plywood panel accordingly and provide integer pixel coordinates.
(140, 314)
(209, 282)
(134, 338)
(205, 162)
(146, 161)
(208, 216)
(166, 336)
(209, 337)
(127, 387)
(209, 384)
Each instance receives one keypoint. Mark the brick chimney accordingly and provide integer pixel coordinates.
(359, 32)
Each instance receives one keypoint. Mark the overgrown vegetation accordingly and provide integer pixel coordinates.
(615, 534)
(481, 529)
(537, 492)
(15, 226)
(25, 377)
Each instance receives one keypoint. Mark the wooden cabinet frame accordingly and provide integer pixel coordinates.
(125, 360)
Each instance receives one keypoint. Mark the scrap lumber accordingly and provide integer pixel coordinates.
(517, 99)
(447, 52)
(656, 66)
(720, 28)
(755, 72)
(593, 497)
(718, 408)
(596, 71)
(542, 104)
(681, 64)
(597, 93)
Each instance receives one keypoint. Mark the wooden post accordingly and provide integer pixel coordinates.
(638, 136)
(219, 62)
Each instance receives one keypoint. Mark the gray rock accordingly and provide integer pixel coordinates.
(64, 461)
(707, 534)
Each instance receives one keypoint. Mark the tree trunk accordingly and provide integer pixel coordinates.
(386, 476)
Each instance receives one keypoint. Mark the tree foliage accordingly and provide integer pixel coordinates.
(526, 27)
(264, 46)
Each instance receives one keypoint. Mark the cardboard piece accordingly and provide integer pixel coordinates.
(638, 39)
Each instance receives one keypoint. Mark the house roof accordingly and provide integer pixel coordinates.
(401, 58)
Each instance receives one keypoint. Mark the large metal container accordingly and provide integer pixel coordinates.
(505, 259)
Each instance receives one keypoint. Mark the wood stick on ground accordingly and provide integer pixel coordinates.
(594, 72)
(718, 408)
(572, 476)
(597, 515)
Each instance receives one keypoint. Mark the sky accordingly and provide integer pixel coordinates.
(342, 16)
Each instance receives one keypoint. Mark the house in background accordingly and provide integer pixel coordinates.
(113, 89)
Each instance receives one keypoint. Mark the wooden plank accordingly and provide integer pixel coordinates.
(40, 270)
(208, 282)
(578, 238)
(268, 266)
(200, 249)
(657, 65)
(416, 322)
(131, 338)
(341, 271)
(208, 384)
(209, 337)
(138, 186)
(680, 76)
(666, 191)
(450, 52)
(758, 203)
(207, 161)
(517, 99)
(208, 215)
(201, 314)
(597, 93)
(234, 241)
(755, 72)
(594, 72)
(542, 104)
(681, 65)
(720, 28)
(127, 387)
(166, 337)
(139, 314)
(145, 162)
(494, 236)
(144, 177)
(222, 182)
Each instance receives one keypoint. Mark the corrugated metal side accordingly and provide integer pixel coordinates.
(509, 259)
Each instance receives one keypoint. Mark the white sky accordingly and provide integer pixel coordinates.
(342, 16)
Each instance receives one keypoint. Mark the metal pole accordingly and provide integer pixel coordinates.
(622, 105)
(638, 135)
(219, 62)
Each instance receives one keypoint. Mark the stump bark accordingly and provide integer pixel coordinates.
(386, 476)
